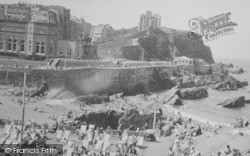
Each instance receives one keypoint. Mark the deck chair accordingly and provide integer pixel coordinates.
(11, 138)
(140, 141)
(85, 143)
(17, 140)
(34, 124)
(99, 145)
(100, 130)
(6, 129)
(8, 122)
(106, 137)
(59, 134)
(73, 129)
(106, 145)
(19, 122)
(19, 127)
(60, 127)
(83, 129)
(66, 135)
(91, 126)
(46, 126)
(4, 122)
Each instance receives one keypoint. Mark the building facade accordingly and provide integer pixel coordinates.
(70, 49)
(100, 32)
(149, 20)
(28, 29)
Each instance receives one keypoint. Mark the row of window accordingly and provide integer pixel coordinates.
(68, 52)
(41, 31)
(12, 28)
(40, 48)
(12, 45)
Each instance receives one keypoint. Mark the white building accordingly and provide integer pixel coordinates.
(100, 32)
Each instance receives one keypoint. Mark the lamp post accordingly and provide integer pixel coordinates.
(154, 123)
(23, 110)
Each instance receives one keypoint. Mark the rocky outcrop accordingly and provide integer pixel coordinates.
(234, 103)
(118, 120)
(235, 70)
(101, 118)
(175, 101)
(41, 90)
(134, 118)
(229, 83)
(194, 93)
(157, 44)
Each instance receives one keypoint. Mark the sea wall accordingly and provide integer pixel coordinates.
(96, 80)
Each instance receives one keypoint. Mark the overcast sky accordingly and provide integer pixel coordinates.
(174, 13)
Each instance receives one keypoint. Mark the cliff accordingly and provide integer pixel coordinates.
(157, 44)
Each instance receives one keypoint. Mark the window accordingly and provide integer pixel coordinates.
(61, 51)
(9, 47)
(42, 48)
(51, 47)
(22, 46)
(1, 44)
(69, 52)
(30, 44)
(37, 47)
(14, 45)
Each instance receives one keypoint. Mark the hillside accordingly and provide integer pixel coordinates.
(157, 44)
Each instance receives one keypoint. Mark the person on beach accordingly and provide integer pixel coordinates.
(228, 150)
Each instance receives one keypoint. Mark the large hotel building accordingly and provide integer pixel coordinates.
(27, 29)
(149, 20)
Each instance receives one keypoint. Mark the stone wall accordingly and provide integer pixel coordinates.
(131, 81)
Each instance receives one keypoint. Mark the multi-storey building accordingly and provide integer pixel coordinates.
(27, 29)
(149, 20)
(100, 32)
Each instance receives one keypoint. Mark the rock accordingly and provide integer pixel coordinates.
(133, 117)
(40, 90)
(235, 70)
(175, 101)
(194, 93)
(234, 103)
(156, 44)
(229, 83)
(93, 99)
(120, 120)
(116, 96)
(102, 119)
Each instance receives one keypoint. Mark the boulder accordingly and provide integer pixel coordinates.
(120, 120)
(235, 70)
(175, 100)
(40, 90)
(229, 83)
(194, 93)
(234, 103)
(93, 99)
(133, 117)
(102, 118)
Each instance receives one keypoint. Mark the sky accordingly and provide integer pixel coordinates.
(174, 14)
